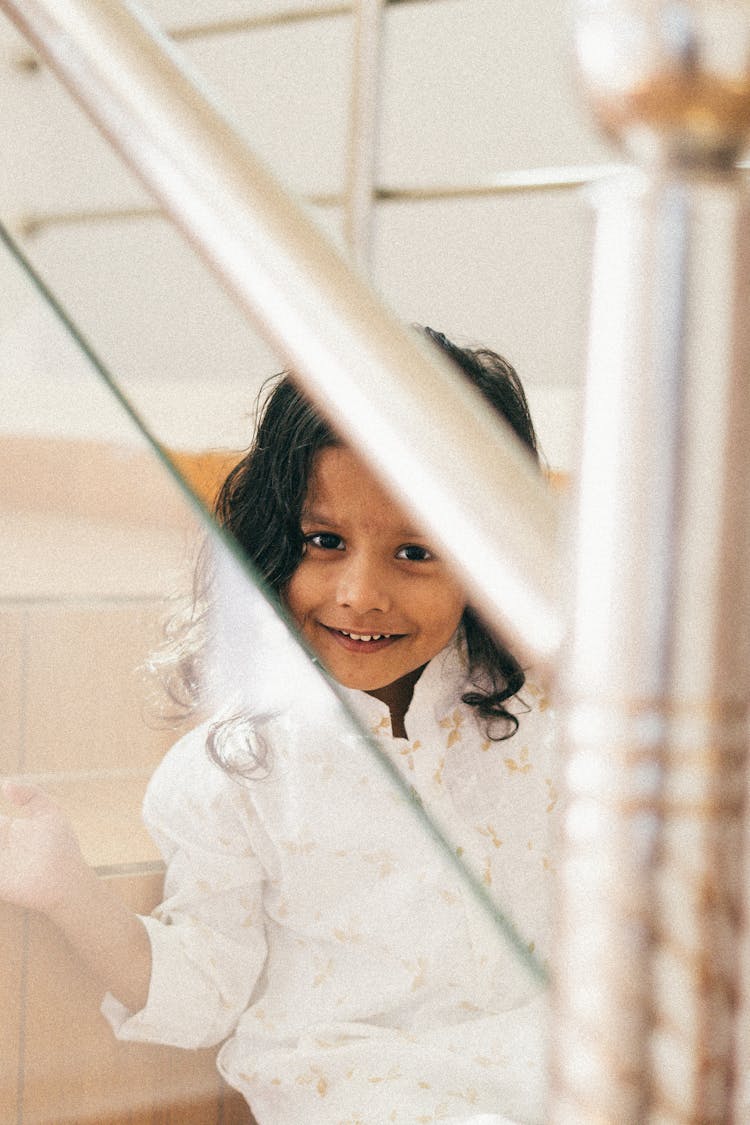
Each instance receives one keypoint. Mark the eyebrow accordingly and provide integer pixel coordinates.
(310, 515)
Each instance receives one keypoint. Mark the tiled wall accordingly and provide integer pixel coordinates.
(95, 541)
(61, 1065)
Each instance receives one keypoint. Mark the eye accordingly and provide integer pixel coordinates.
(412, 553)
(325, 540)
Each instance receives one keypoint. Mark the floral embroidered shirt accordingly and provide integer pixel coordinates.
(313, 925)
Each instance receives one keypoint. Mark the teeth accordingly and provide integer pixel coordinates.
(365, 636)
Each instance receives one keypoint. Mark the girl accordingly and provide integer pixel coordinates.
(309, 922)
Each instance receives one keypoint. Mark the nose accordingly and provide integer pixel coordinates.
(363, 584)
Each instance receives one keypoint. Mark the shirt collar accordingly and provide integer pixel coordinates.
(436, 692)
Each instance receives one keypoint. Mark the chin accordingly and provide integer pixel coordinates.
(362, 681)
(359, 684)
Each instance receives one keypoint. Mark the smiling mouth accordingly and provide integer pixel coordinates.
(366, 636)
(362, 640)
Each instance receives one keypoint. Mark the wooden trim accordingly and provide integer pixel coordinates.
(102, 481)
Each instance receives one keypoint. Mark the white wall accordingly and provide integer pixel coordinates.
(471, 89)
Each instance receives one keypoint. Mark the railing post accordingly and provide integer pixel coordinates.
(655, 677)
(362, 144)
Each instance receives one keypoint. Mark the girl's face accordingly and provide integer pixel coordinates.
(370, 595)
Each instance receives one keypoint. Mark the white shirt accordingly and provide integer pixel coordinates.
(312, 922)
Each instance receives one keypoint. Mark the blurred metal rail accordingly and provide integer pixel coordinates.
(182, 33)
(528, 180)
(363, 132)
(203, 29)
(469, 484)
(655, 675)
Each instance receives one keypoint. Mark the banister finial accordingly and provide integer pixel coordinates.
(668, 80)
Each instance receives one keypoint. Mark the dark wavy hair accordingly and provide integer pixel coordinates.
(260, 505)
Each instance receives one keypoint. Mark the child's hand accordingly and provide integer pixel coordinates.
(41, 864)
(41, 868)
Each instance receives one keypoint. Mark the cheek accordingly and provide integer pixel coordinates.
(302, 594)
(456, 617)
(445, 607)
(293, 599)
(457, 602)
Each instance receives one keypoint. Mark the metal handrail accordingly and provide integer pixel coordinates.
(240, 24)
(470, 484)
(527, 180)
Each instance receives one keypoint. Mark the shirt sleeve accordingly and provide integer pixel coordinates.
(207, 937)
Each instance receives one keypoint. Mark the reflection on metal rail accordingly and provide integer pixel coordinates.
(391, 396)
